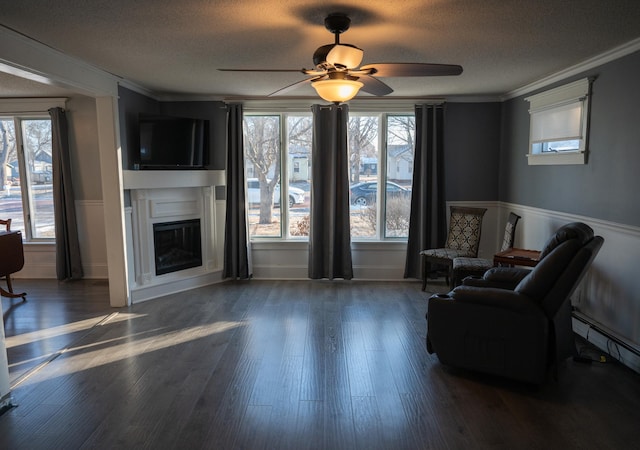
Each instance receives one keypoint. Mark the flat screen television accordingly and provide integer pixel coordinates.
(168, 142)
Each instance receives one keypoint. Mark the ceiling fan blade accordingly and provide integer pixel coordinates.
(286, 89)
(374, 86)
(413, 69)
(261, 70)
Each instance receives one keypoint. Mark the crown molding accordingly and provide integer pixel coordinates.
(606, 57)
(31, 105)
(25, 57)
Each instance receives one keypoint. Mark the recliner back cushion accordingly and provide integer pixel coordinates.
(575, 230)
(544, 275)
(571, 276)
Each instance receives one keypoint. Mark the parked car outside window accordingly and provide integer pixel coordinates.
(41, 177)
(365, 193)
(295, 195)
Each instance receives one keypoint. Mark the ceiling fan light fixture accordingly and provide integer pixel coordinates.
(337, 91)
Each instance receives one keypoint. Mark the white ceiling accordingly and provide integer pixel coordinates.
(175, 47)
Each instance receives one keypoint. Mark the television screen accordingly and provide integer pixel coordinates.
(168, 142)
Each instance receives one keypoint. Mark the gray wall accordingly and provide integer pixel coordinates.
(472, 149)
(606, 187)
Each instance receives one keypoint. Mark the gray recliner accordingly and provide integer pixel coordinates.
(512, 322)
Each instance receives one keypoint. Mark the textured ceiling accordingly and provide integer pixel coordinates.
(176, 47)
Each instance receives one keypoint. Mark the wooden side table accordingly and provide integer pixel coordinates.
(517, 257)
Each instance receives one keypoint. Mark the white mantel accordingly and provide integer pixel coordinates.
(172, 195)
(154, 179)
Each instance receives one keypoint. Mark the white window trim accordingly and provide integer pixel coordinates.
(555, 99)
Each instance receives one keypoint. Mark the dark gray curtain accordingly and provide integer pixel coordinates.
(428, 222)
(68, 262)
(237, 262)
(330, 235)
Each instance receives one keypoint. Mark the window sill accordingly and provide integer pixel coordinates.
(557, 159)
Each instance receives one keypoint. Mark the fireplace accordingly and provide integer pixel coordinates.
(177, 245)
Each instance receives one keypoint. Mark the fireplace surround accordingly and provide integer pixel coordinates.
(181, 211)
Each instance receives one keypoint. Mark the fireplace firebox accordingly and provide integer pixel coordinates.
(177, 245)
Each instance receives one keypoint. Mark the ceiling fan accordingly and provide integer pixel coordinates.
(337, 76)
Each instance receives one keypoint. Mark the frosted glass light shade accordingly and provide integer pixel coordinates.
(337, 91)
(345, 55)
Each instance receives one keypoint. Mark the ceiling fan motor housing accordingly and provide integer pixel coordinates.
(337, 23)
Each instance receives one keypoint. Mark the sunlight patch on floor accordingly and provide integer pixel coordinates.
(82, 325)
(132, 348)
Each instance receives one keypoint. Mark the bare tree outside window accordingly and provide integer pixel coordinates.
(266, 158)
(400, 148)
(262, 153)
(363, 138)
(299, 137)
(364, 174)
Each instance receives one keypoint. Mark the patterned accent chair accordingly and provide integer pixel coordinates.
(463, 239)
(465, 266)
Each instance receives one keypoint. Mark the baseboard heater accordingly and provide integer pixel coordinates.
(606, 340)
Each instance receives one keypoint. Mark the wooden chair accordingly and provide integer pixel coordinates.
(12, 259)
(466, 266)
(463, 239)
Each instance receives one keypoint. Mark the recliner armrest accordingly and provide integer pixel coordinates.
(499, 277)
(495, 297)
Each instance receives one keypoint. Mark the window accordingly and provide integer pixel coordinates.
(27, 189)
(278, 206)
(381, 199)
(381, 161)
(558, 124)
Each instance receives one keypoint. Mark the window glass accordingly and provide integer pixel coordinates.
(27, 178)
(262, 160)
(400, 132)
(364, 174)
(299, 134)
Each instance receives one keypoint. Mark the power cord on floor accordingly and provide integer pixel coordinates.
(587, 359)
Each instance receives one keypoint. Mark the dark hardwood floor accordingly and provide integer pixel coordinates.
(280, 365)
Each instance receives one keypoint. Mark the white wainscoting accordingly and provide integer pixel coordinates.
(609, 296)
(39, 261)
(91, 232)
(40, 258)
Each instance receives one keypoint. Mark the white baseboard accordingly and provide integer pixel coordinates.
(615, 347)
(161, 289)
